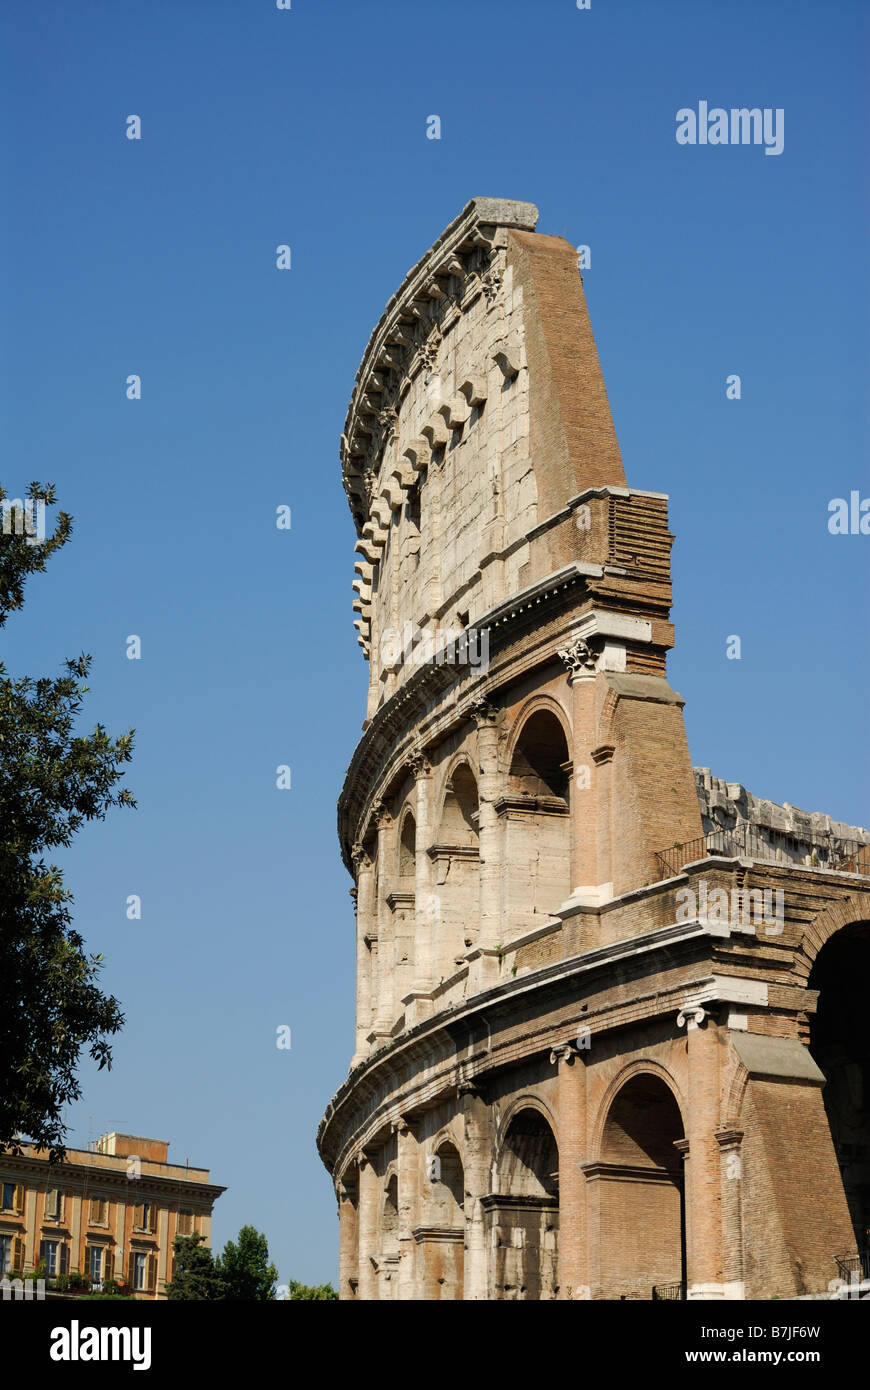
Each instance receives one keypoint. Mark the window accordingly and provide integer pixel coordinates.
(140, 1272)
(185, 1223)
(11, 1196)
(144, 1217)
(95, 1263)
(99, 1211)
(54, 1204)
(5, 1254)
(49, 1255)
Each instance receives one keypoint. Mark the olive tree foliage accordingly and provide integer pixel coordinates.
(52, 780)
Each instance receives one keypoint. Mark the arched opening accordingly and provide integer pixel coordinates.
(456, 860)
(408, 849)
(523, 1215)
(443, 1237)
(538, 766)
(388, 1264)
(638, 1188)
(459, 814)
(537, 823)
(840, 1044)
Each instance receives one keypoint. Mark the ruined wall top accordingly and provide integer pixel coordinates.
(478, 420)
(756, 826)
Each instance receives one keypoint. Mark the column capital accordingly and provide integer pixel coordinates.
(360, 857)
(382, 815)
(580, 659)
(419, 764)
(483, 712)
(692, 1016)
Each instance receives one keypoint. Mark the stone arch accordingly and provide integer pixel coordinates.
(406, 846)
(840, 1046)
(458, 802)
(818, 932)
(639, 1067)
(389, 1223)
(530, 707)
(527, 1101)
(447, 1182)
(442, 1239)
(636, 1187)
(522, 1215)
(455, 859)
(536, 817)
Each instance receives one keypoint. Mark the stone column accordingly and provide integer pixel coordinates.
(602, 771)
(385, 1015)
(729, 1141)
(365, 929)
(369, 1200)
(425, 902)
(704, 1175)
(581, 663)
(407, 1147)
(571, 1099)
(348, 1242)
(489, 830)
(478, 1181)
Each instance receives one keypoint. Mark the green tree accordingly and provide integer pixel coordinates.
(195, 1274)
(321, 1292)
(51, 782)
(245, 1270)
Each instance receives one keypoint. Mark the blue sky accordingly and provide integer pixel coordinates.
(157, 257)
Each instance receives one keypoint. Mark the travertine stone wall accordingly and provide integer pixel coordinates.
(570, 1079)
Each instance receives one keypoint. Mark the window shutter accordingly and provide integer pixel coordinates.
(63, 1258)
(108, 1263)
(152, 1272)
(139, 1216)
(17, 1255)
(131, 1279)
(18, 1202)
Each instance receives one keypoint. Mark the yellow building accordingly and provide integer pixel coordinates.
(110, 1212)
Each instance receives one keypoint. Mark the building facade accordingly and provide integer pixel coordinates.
(110, 1212)
(607, 1028)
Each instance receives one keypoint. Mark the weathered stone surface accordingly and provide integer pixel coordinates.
(587, 977)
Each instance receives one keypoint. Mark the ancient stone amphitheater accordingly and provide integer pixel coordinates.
(609, 1029)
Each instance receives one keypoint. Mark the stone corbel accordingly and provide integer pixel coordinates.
(507, 357)
(381, 512)
(473, 389)
(362, 589)
(404, 475)
(435, 431)
(418, 454)
(375, 532)
(455, 411)
(366, 547)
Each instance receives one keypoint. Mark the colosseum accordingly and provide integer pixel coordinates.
(610, 1041)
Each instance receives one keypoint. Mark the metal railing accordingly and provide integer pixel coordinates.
(764, 846)
(665, 1292)
(853, 1266)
